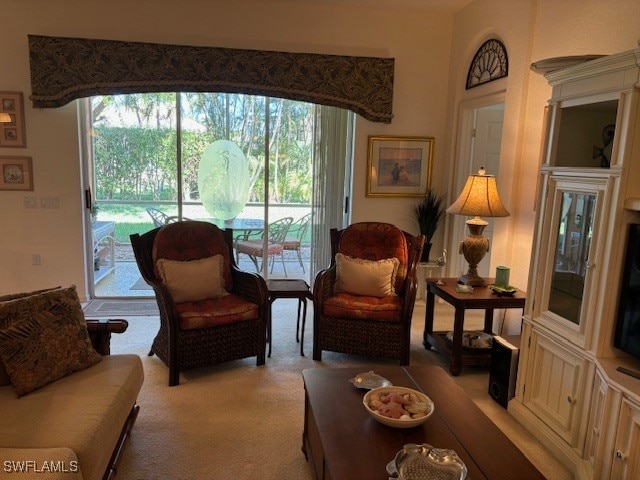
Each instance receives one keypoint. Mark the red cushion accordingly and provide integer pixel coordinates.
(345, 305)
(254, 247)
(377, 241)
(215, 311)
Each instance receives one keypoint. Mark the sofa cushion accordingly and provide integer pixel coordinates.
(4, 323)
(46, 340)
(372, 278)
(194, 280)
(84, 411)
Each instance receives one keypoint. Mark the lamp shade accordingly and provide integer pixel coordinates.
(5, 117)
(479, 198)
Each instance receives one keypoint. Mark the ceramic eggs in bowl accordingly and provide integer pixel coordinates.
(398, 407)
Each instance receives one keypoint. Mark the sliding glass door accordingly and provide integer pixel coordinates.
(240, 161)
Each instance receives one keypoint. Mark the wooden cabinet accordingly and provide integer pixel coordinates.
(626, 462)
(555, 382)
(570, 394)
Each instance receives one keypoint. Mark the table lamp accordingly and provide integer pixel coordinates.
(479, 197)
(5, 117)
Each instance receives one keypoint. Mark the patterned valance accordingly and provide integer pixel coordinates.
(65, 69)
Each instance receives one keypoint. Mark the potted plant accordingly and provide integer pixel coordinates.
(429, 213)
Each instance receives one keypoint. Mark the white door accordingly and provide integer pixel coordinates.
(484, 140)
(486, 153)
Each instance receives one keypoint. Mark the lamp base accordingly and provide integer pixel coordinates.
(472, 280)
(474, 247)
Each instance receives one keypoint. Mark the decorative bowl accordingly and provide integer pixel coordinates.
(377, 393)
(424, 462)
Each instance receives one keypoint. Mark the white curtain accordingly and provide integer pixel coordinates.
(331, 180)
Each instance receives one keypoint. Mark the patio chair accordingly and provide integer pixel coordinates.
(158, 216)
(253, 247)
(295, 243)
(362, 303)
(210, 311)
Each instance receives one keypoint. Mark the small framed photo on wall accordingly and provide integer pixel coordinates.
(16, 173)
(12, 131)
(399, 166)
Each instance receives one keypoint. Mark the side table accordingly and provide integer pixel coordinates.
(482, 298)
(289, 288)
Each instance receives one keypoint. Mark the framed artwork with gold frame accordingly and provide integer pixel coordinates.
(16, 173)
(399, 166)
(12, 134)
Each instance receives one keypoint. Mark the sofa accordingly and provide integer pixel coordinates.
(66, 404)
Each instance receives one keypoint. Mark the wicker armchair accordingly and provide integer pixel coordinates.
(375, 326)
(202, 332)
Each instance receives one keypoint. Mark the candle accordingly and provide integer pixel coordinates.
(502, 276)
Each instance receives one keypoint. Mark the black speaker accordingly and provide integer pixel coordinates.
(504, 368)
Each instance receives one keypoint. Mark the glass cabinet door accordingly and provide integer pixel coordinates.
(574, 233)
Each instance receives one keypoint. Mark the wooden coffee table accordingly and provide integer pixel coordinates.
(342, 442)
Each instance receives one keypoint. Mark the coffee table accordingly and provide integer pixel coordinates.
(342, 442)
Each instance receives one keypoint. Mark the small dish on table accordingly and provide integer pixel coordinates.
(424, 462)
(500, 290)
(369, 380)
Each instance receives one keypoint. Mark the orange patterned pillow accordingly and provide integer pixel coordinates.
(371, 278)
(47, 339)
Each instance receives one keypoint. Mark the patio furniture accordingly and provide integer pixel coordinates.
(159, 217)
(300, 228)
(277, 232)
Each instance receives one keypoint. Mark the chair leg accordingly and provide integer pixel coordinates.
(300, 260)
(255, 262)
(283, 265)
(174, 376)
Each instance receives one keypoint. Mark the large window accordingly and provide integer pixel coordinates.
(161, 157)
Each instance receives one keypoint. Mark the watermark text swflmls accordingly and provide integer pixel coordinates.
(46, 466)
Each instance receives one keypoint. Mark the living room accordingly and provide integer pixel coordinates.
(432, 51)
(432, 48)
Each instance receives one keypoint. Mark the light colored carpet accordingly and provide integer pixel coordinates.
(239, 421)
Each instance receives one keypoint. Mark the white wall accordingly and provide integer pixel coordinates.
(419, 42)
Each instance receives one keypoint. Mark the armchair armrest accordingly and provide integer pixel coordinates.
(249, 286)
(100, 333)
(323, 287)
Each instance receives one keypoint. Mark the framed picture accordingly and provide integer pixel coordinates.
(17, 173)
(12, 134)
(399, 166)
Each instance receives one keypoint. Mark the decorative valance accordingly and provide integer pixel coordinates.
(65, 69)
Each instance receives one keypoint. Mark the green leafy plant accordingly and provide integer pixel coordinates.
(429, 212)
